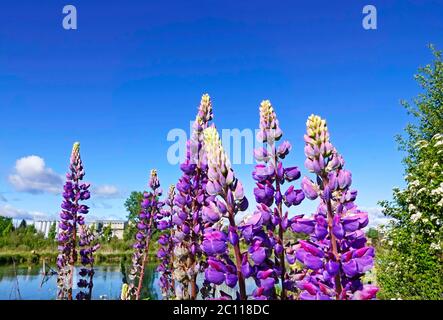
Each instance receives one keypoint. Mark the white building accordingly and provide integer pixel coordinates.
(44, 226)
(117, 226)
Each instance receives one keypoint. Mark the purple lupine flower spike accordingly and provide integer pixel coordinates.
(229, 199)
(71, 219)
(336, 257)
(151, 206)
(191, 196)
(265, 229)
(165, 251)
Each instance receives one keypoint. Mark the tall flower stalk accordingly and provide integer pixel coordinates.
(71, 218)
(229, 199)
(190, 197)
(266, 228)
(336, 256)
(165, 252)
(151, 206)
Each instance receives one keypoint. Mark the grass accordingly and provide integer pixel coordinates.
(34, 257)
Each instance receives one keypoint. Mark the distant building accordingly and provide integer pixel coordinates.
(117, 226)
(44, 226)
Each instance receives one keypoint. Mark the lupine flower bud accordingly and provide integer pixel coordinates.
(269, 126)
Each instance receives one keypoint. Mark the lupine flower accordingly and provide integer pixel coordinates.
(165, 252)
(336, 257)
(71, 218)
(229, 198)
(265, 229)
(189, 200)
(150, 211)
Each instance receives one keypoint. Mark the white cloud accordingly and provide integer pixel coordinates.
(92, 218)
(31, 175)
(15, 213)
(376, 216)
(105, 191)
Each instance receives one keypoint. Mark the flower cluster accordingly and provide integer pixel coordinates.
(150, 209)
(71, 217)
(264, 230)
(336, 256)
(164, 224)
(190, 197)
(228, 198)
(199, 234)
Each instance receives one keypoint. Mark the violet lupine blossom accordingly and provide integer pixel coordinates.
(165, 251)
(150, 209)
(264, 231)
(190, 197)
(229, 199)
(89, 245)
(336, 256)
(71, 217)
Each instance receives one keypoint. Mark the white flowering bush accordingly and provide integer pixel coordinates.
(409, 264)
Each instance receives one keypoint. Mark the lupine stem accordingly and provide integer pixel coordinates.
(194, 238)
(337, 278)
(72, 259)
(238, 258)
(280, 229)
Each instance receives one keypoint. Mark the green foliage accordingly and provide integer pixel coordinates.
(106, 234)
(25, 240)
(52, 232)
(409, 264)
(22, 224)
(133, 207)
(374, 236)
(6, 226)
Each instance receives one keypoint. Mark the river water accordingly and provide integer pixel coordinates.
(28, 283)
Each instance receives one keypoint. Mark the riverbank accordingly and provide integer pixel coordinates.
(37, 257)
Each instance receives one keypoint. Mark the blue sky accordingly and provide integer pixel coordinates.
(134, 70)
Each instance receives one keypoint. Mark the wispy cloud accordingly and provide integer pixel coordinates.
(376, 216)
(33, 176)
(15, 213)
(93, 217)
(105, 191)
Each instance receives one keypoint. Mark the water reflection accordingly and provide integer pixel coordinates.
(26, 283)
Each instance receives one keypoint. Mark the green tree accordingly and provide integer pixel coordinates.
(409, 264)
(52, 231)
(133, 207)
(106, 233)
(22, 225)
(373, 235)
(6, 226)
